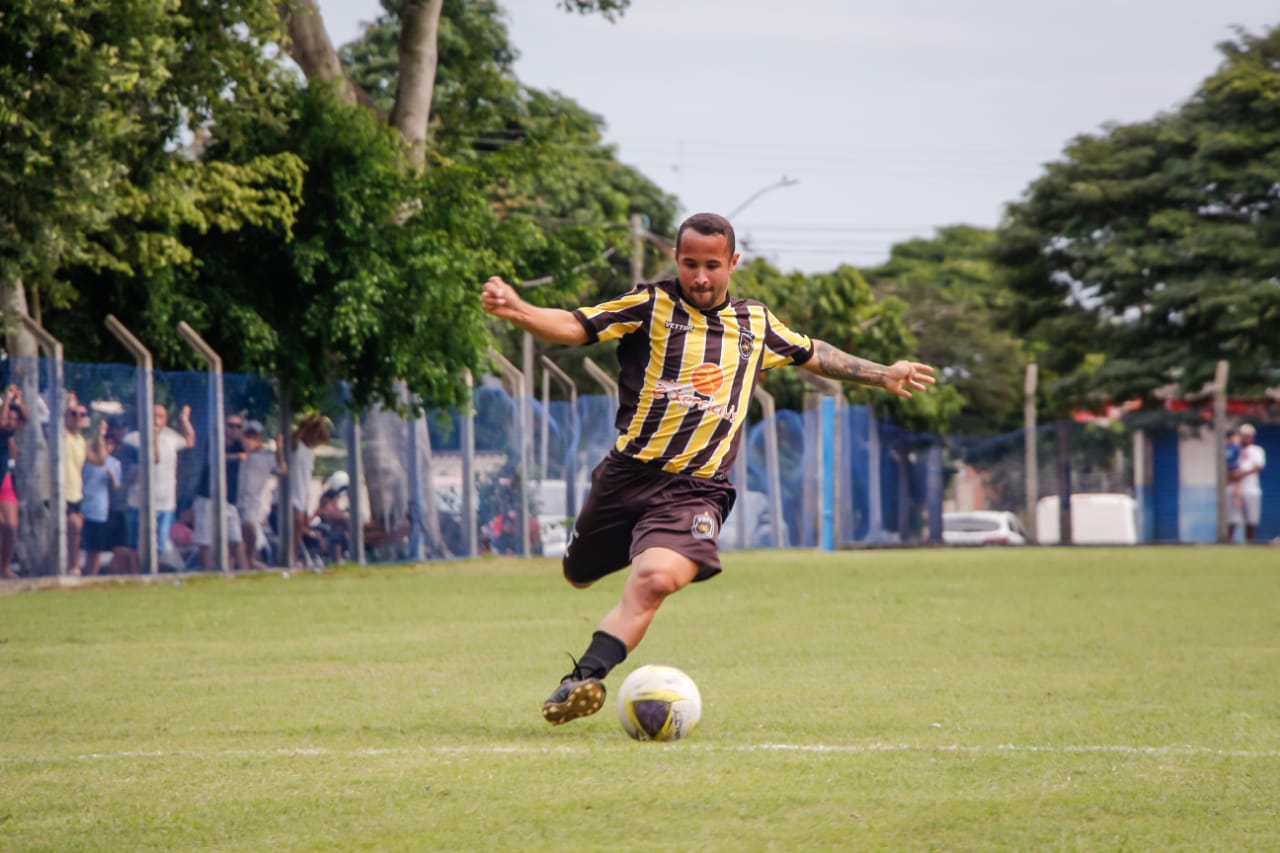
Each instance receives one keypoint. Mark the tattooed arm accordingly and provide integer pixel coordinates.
(901, 377)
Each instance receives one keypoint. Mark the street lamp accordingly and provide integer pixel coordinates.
(784, 182)
(776, 185)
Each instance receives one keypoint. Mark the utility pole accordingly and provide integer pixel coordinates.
(637, 247)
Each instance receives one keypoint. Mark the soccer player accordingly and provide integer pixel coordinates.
(690, 357)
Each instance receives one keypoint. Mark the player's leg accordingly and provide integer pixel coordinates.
(674, 544)
(655, 574)
(1252, 515)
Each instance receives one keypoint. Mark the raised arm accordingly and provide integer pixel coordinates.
(95, 452)
(901, 377)
(187, 431)
(553, 325)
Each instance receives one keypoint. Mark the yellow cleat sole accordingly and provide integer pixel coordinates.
(582, 701)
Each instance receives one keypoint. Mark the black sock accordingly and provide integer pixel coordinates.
(605, 652)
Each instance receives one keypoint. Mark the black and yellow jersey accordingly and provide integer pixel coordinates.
(687, 375)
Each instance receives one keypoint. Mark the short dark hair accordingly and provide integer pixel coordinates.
(708, 224)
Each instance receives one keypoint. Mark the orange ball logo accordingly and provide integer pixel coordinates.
(707, 378)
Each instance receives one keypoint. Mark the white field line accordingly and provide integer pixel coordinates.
(526, 749)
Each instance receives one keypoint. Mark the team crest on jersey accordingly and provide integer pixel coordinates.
(746, 342)
(703, 527)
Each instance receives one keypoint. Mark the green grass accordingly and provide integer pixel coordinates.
(1017, 699)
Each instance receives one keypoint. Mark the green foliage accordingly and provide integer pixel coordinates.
(564, 199)
(1152, 250)
(611, 10)
(543, 154)
(955, 302)
(381, 260)
(841, 309)
(96, 99)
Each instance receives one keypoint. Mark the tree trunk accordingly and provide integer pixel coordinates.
(382, 452)
(313, 51)
(435, 546)
(310, 47)
(37, 546)
(418, 55)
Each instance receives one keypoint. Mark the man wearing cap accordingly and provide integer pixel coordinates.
(1248, 509)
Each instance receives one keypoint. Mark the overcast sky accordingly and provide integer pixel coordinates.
(892, 117)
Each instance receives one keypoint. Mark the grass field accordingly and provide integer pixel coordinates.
(1017, 699)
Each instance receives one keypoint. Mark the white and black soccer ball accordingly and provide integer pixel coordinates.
(658, 703)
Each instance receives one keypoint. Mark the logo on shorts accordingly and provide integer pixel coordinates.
(746, 340)
(703, 527)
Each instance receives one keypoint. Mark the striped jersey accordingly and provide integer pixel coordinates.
(686, 376)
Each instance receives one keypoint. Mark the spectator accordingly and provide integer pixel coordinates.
(99, 478)
(180, 551)
(1232, 452)
(257, 471)
(13, 417)
(313, 431)
(234, 451)
(76, 453)
(124, 557)
(1246, 476)
(331, 518)
(164, 459)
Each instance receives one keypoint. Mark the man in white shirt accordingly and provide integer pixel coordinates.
(257, 475)
(1248, 510)
(165, 459)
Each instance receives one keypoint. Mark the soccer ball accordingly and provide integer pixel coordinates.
(658, 703)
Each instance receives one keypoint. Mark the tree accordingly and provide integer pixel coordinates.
(956, 310)
(1151, 250)
(548, 220)
(96, 99)
(840, 307)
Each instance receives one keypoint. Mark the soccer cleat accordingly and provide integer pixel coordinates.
(575, 697)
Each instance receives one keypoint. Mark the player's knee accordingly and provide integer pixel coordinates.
(659, 581)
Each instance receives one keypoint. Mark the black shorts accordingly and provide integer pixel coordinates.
(105, 535)
(633, 506)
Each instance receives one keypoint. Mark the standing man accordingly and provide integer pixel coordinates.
(164, 456)
(690, 357)
(1248, 509)
(233, 450)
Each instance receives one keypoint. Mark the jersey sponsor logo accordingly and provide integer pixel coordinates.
(681, 327)
(703, 526)
(746, 341)
(707, 378)
(696, 394)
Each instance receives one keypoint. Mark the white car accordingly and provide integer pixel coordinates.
(982, 527)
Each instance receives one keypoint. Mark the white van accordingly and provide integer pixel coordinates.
(1096, 519)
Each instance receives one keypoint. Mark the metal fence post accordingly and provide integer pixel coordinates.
(467, 438)
(355, 474)
(518, 389)
(551, 370)
(217, 459)
(57, 439)
(1031, 462)
(774, 477)
(148, 554)
(1220, 444)
(832, 455)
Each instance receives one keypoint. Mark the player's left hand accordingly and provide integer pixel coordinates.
(903, 377)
